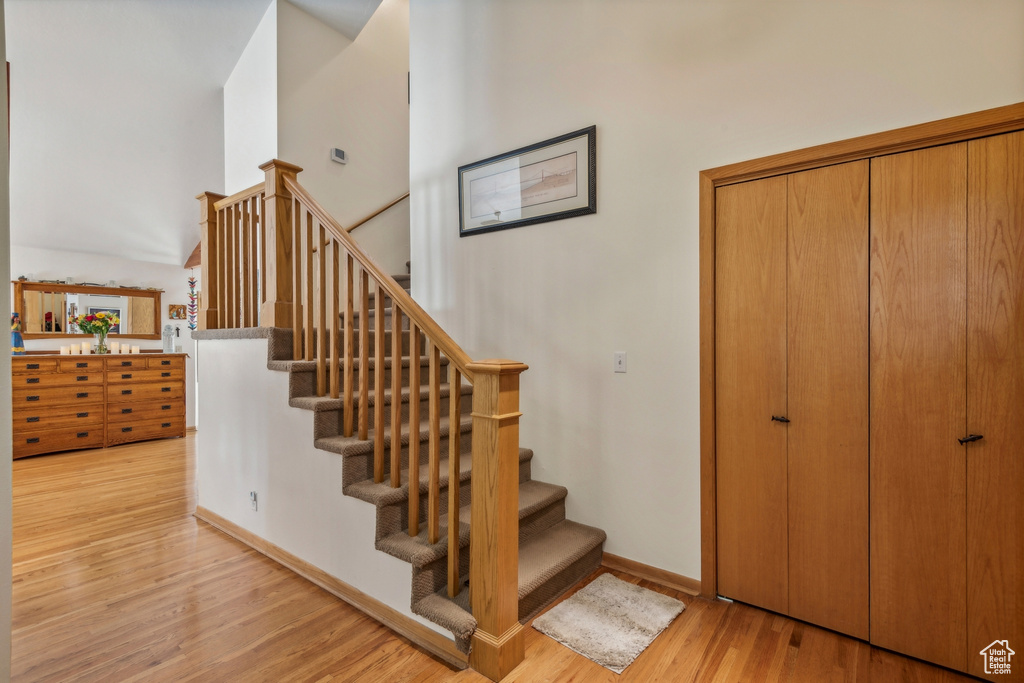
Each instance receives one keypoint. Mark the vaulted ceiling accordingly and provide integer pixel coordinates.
(117, 116)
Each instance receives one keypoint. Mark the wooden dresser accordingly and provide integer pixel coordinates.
(62, 403)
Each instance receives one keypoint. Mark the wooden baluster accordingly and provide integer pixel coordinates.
(364, 355)
(263, 255)
(336, 346)
(434, 445)
(454, 476)
(414, 429)
(396, 395)
(208, 269)
(349, 351)
(280, 260)
(254, 217)
(378, 391)
(232, 266)
(497, 645)
(222, 268)
(296, 218)
(245, 264)
(308, 298)
(321, 322)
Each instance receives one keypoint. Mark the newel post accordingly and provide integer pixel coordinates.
(497, 646)
(278, 299)
(209, 273)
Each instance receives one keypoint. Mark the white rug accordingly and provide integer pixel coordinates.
(610, 621)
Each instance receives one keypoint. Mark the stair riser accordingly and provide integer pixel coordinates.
(303, 382)
(372, 342)
(329, 422)
(530, 605)
(360, 467)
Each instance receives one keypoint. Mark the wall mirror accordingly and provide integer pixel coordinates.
(46, 306)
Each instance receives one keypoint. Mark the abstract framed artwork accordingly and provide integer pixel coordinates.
(547, 181)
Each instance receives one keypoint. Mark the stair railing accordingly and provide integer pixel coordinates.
(315, 279)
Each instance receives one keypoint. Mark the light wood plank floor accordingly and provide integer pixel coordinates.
(115, 581)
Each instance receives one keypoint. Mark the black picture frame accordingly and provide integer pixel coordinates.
(546, 181)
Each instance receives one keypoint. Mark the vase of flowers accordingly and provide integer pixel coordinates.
(98, 324)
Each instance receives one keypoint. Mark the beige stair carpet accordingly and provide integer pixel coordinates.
(610, 621)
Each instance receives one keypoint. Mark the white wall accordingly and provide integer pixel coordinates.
(334, 92)
(53, 264)
(252, 440)
(6, 517)
(250, 108)
(673, 87)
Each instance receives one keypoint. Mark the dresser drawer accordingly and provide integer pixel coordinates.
(58, 379)
(144, 410)
(88, 363)
(23, 364)
(51, 418)
(24, 397)
(145, 429)
(130, 393)
(66, 439)
(129, 375)
(124, 362)
(176, 362)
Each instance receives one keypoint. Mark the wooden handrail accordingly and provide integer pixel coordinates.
(237, 197)
(367, 219)
(409, 307)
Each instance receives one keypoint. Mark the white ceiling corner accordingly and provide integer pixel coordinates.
(347, 17)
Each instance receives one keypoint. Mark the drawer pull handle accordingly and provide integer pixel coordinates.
(165, 407)
(34, 439)
(125, 411)
(776, 418)
(82, 415)
(126, 376)
(126, 429)
(165, 374)
(82, 435)
(165, 388)
(31, 398)
(126, 364)
(165, 424)
(125, 392)
(32, 366)
(32, 419)
(970, 438)
(82, 394)
(165, 362)
(32, 380)
(81, 365)
(82, 378)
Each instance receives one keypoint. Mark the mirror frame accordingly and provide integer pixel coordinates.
(22, 286)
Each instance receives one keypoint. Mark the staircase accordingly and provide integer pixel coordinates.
(554, 553)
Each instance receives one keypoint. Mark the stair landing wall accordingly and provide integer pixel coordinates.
(246, 442)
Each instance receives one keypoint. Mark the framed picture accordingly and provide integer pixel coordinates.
(176, 311)
(547, 181)
(114, 329)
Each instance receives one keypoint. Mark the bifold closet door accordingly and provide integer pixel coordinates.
(995, 400)
(750, 387)
(918, 403)
(827, 386)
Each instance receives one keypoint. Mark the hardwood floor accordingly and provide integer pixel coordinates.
(115, 580)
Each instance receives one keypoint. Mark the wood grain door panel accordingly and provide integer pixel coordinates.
(918, 403)
(750, 371)
(995, 399)
(828, 397)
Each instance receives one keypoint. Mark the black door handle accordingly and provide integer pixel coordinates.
(779, 418)
(970, 438)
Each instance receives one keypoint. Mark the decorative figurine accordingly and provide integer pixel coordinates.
(17, 343)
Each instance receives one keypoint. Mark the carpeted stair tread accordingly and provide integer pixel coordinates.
(322, 403)
(546, 554)
(352, 445)
(418, 551)
(448, 614)
(310, 365)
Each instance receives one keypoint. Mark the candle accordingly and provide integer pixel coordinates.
(135, 349)
(125, 348)
(86, 347)
(114, 346)
(75, 349)
(65, 350)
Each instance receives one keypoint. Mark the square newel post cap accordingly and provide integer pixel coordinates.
(211, 196)
(280, 166)
(497, 366)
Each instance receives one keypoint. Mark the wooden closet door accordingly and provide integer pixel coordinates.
(918, 403)
(828, 397)
(750, 368)
(995, 400)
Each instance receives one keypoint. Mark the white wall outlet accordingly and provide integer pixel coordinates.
(252, 499)
(620, 361)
